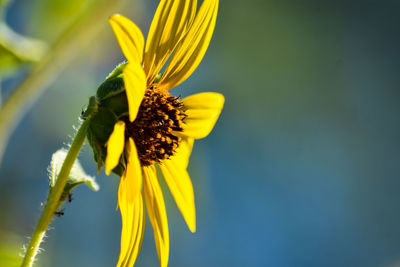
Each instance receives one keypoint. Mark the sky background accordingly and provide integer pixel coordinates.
(302, 168)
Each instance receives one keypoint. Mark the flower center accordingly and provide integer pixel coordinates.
(159, 116)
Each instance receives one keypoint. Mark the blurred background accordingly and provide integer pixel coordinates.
(302, 168)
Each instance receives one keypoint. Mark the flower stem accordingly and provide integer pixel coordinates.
(54, 197)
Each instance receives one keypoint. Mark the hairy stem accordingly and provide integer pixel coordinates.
(54, 197)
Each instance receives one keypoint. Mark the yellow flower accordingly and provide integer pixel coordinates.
(159, 129)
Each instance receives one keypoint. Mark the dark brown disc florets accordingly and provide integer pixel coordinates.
(159, 115)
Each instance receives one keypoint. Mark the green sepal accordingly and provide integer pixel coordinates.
(111, 105)
(76, 177)
(100, 128)
(102, 124)
(91, 108)
(157, 78)
(113, 85)
(117, 103)
(98, 150)
(110, 88)
(117, 71)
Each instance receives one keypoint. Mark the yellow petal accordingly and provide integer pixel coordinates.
(135, 87)
(115, 146)
(169, 25)
(181, 187)
(157, 214)
(191, 49)
(202, 113)
(133, 171)
(183, 152)
(132, 214)
(129, 37)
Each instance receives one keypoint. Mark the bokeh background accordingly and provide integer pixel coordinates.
(302, 168)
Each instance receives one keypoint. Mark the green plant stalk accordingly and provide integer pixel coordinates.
(68, 45)
(1, 101)
(54, 197)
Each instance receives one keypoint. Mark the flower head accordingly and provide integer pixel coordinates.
(143, 126)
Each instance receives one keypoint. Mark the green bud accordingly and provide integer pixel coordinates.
(110, 105)
(111, 95)
(100, 128)
(110, 88)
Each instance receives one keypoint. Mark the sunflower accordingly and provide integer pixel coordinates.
(157, 129)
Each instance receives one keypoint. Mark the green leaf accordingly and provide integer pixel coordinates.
(76, 177)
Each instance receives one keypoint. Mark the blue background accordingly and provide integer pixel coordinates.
(302, 168)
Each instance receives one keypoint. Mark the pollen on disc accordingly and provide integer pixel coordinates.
(160, 114)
